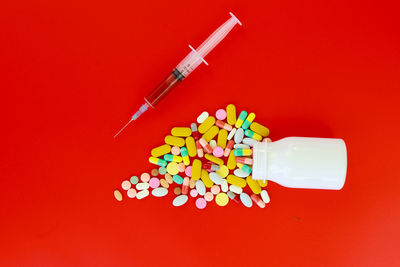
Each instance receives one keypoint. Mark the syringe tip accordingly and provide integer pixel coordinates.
(122, 129)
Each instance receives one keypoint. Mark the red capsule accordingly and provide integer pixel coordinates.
(200, 152)
(195, 133)
(258, 200)
(244, 160)
(205, 145)
(185, 185)
(223, 125)
(228, 148)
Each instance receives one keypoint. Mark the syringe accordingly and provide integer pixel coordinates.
(185, 67)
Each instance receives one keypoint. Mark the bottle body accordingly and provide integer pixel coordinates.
(302, 162)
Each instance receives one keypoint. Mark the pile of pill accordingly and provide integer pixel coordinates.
(209, 161)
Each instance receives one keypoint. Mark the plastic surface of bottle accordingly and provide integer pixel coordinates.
(302, 162)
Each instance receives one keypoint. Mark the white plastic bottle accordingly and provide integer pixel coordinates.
(302, 162)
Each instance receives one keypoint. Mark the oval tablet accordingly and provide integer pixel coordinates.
(180, 200)
(174, 141)
(161, 150)
(168, 178)
(246, 200)
(239, 135)
(142, 186)
(117, 195)
(203, 116)
(235, 189)
(201, 189)
(224, 186)
(240, 173)
(265, 196)
(216, 178)
(177, 179)
(241, 146)
(159, 192)
(206, 125)
(181, 131)
(231, 134)
(164, 183)
(222, 199)
(142, 194)
(211, 133)
(231, 114)
(240, 182)
(188, 171)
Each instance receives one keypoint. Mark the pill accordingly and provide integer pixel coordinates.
(238, 146)
(224, 186)
(234, 180)
(231, 161)
(262, 183)
(201, 203)
(168, 178)
(172, 168)
(245, 168)
(177, 190)
(231, 114)
(159, 192)
(242, 152)
(134, 180)
(267, 140)
(158, 161)
(253, 135)
(185, 185)
(241, 119)
(192, 183)
(221, 140)
(196, 169)
(200, 187)
(175, 150)
(228, 148)
(213, 144)
(223, 125)
(208, 196)
(174, 141)
(142, 194)
(205, 177)
(244, 160)
(154, 182)
(180, 200)
(145, 177)
(214, 159)
(220, 114)
(239, 135)
(164, 183)
(253, 184)
(249, 141)
(199, 149)
(248, 121)
(246, 200)
(231, 134)
(235, 189)
(177, 179)
(131, 192)
(181, 167)
(216, 178)
(193, 193)
(203, 116)
(223, 171)
(232, 196)
(191, 146)
(206, 125)
(205, 145)
(142, 186)
(195, 132)
(162, 170)
(265, 196)
(181, 131)
(240, 173)
(161, 150)
(126, 185)
(185, 156)
(215, 189)
(170, 157)
(222, 199)
(258, 200)
(260, 129)
(211, 133)
(218, 151)
(117, 195)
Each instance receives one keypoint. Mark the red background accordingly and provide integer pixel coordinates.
(73, 72)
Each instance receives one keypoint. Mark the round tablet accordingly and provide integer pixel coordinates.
(222, 199)
(154, 182)
(201, 203)
(193, 193)
(172, 168)
(131, 193)
(134, 180)
(145, 177)
(223, 171)
(162, 170)
(220, 114)
(188, 171)
(215, 189)
(118, 195)
(126, 185)
(177, 190)
(181, 167)
(175, 150)
(218, 151)
(154, 172)
(208, 196)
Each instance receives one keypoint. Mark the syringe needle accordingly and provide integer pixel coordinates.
(122, 129)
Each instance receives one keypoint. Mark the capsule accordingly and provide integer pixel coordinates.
(244, 160)
(177, 179)
(196, 169)
(258, 200)
(185, 185)
(170, 157)
(260, 129)
(185, 156)
(181, 131)
(228, 148)
(248, 121)
(161, 150)
(211, 133)
(231, 161)
(195, 132)
(232, 196)
(191, 146)
(253, 135)
(207, 123)
(174, 141)
(231, 114)
(205, 145)
(211, 167)
(157, 161)
(233, 179)
(199, 149)
(223, 125)
(242, 152)
(246, 168)
(214, 159)
(221, 141)
(254, 186)
(231, 134)
(241, 119)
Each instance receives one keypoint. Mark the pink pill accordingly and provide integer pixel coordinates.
(154, 182)
(220, 114)
(175, 150)
(145, 177)
(208, 196)
(131, 193)
(218, 151)
(193, 193)
(215, 189)
(181, 167)
(201, 203)
(188, 171)
(126, 185)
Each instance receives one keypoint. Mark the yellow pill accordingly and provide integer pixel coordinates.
(231, 114)
(239, 165)
(211, 133)
(253, 184)
(223, 171)
(118, 195)
(196, 169)
(164, 183)
(172, 168)
(174, 141)
(181, 131)
(192, 183)
(233, 179)
(222, 199)
(262, 183)
(191, 146)
(250, 118)
(168, 178)
(260, 129)
(161, 150)
(206, 179)
(206, 125)
(222, 136)
(231, 161)
(214, 159)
